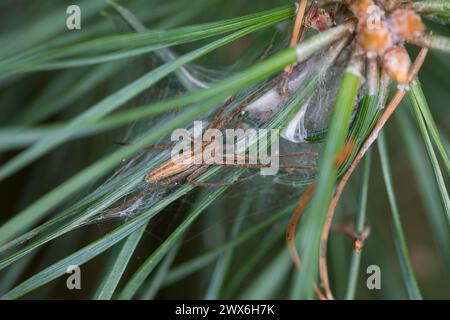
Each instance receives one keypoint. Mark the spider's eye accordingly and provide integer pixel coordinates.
(397, 63)
(406, 24)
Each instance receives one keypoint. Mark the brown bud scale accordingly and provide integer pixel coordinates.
(397, 63)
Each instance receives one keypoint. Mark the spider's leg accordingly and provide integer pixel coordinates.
(246, 157)
(289, 167)
(220, 113)
(221, 125)
(219, 122)
(148, 148)
(191, 179)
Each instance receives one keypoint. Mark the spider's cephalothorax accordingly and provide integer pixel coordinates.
(382, 29)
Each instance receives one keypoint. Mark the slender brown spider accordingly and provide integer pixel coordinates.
(175, 170)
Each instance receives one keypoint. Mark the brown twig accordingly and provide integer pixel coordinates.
(358, 238)
(392, 106)
(290, 233)
(296, 31)
(302, 202)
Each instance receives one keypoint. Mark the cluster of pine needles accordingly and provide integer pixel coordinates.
(133, 75)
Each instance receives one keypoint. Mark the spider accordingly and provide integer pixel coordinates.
(172, 171)
(183, 167)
